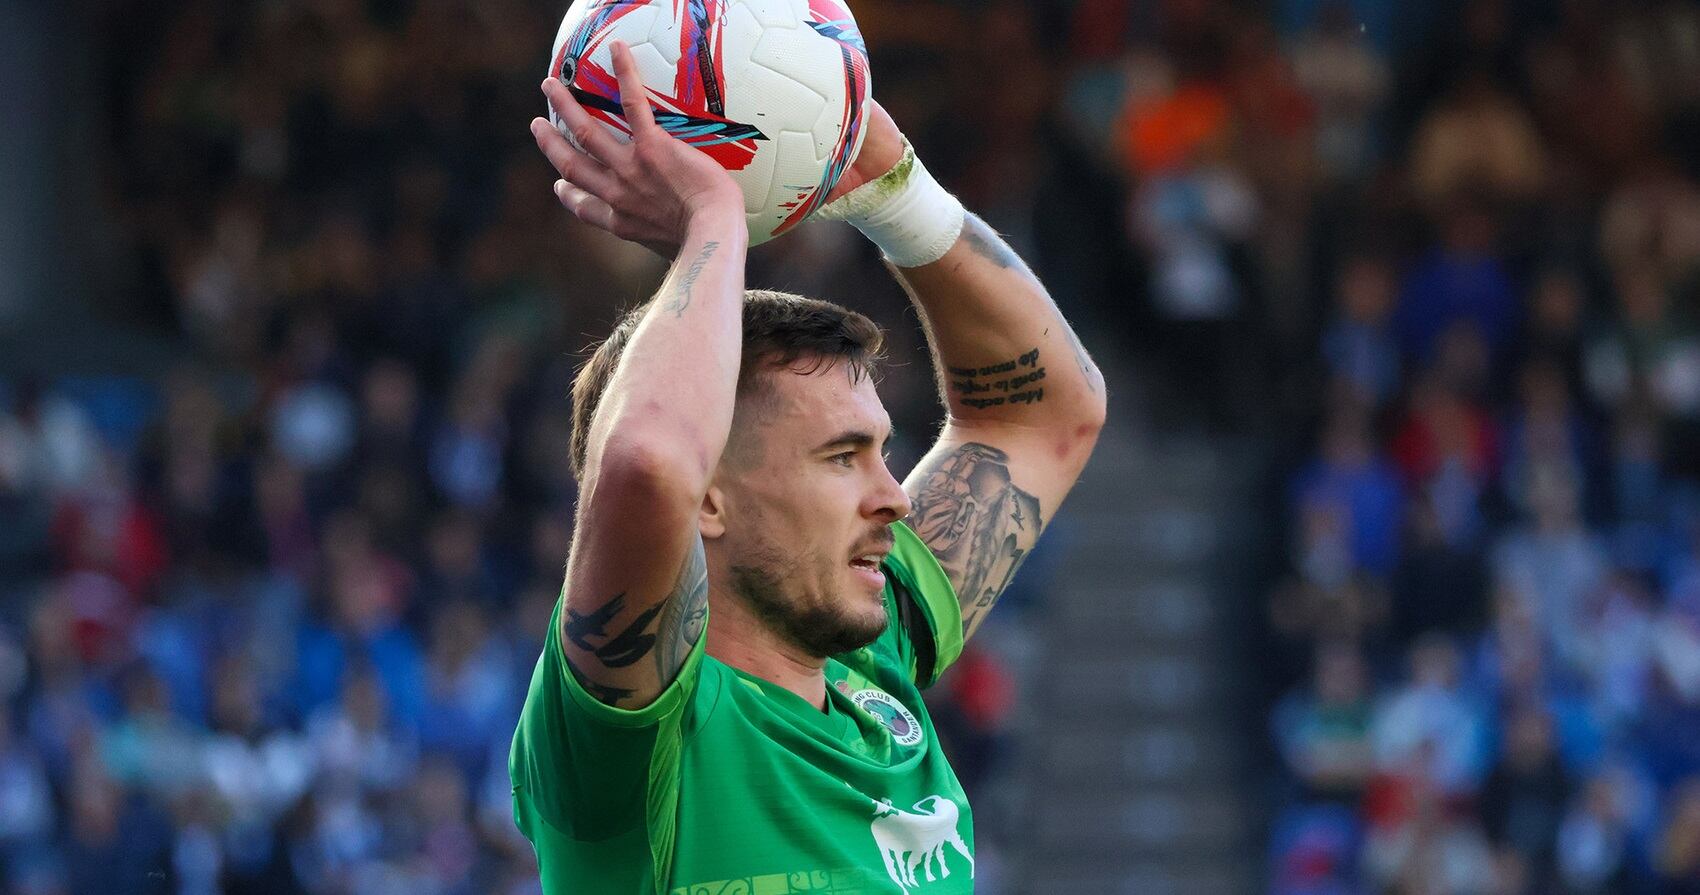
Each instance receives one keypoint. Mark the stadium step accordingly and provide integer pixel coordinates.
(1149, 753)
(1131, 762)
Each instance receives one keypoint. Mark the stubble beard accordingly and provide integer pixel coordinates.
(821, 629)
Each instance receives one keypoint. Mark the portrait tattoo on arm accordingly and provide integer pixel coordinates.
(977, 522)
(685, 612)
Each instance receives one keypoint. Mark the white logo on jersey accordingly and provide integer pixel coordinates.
(909, 841)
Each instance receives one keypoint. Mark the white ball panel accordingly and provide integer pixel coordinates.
(798, 170)
(664, 37)
(805, 57)
(771, 101)
(653, 65)
(774, 13)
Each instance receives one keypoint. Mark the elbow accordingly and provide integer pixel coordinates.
(1097, 410)
(1091, 414)
(650, 470)
(1085, 425)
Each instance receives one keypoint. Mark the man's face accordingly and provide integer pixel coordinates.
(808, 504)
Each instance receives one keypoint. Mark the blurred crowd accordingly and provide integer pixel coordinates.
(1467, 240)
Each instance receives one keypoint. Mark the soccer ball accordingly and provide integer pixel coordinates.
(773, 90)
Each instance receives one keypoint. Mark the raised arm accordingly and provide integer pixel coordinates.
(636, 584)
(1025, 401)
(1025, 405)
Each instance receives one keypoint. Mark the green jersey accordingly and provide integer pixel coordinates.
(729, 784)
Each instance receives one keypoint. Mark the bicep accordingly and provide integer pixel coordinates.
(980, 500)
(636, 596)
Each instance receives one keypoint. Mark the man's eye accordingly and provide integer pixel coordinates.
(844, 459)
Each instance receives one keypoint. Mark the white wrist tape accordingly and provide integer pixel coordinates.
(912, 219)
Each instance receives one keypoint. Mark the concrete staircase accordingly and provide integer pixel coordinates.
(1131, 775)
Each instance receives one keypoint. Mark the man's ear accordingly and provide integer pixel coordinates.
(711, 519)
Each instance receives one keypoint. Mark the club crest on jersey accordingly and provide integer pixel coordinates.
(885, 708)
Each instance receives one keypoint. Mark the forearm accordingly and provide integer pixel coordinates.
(672, 395)
(1003, 351)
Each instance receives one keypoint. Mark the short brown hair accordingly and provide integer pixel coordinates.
(780, 329)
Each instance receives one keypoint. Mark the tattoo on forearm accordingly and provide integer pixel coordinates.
(975, 388)
(987, 244)
(682, 299)
(977, 522)
(683, 618)
(624, 648)
(600, 692)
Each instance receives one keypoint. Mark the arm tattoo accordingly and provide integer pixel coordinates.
(682, 300)
(601, 692)
(682, 615)
(624, 648)
(977, 522)
(995, 385)
(987, 244)
(685, 613)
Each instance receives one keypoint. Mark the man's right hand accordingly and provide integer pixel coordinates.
(648, 191)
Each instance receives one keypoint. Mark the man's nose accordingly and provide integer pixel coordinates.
(889, 500)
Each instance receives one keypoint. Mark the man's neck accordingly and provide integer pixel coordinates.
(738, 639)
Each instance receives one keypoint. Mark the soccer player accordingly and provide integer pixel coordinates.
(729, 696)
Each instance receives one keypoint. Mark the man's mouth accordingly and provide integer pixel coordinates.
(868, 560)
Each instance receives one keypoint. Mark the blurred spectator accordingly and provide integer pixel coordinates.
(1553, 331)
(1650, 346)
(118, 842)
(150, 747)
(1416, 845)
(1429, 731)
(1358, 343)
(1476, 140)
(1447, 451)
(354, 742)
(28, 810)
(1441, 582)
(974, 717)
(1553, 563)
(1347, 77)
(1323, 730)
(1616, 651)
(1462, 282)
(1524, 796)
(1679, 845)
(1651, 222)
(1594, 843)
(1358, 488)
(1545, 438)
(468, 702)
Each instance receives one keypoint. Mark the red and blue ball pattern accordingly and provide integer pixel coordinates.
(693, 108)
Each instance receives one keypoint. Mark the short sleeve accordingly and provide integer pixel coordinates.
(593, 771)
(927, 614)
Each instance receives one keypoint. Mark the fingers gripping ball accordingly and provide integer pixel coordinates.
(773, 90)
